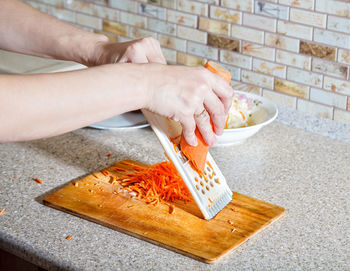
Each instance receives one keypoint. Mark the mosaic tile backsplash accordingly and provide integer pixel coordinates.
(294, 52)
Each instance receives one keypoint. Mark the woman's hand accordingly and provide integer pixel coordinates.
(193, 96)
(145, 50)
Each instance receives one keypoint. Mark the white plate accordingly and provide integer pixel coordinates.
(129, 120)
(266, 114)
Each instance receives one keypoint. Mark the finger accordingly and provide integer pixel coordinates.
(154, 52)
(139, 58)
(204, 127)
(216, 109)
(188, 127)
(221, 88)
(134, 54)
(159, 52)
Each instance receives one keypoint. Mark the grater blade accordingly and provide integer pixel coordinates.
(210, 191)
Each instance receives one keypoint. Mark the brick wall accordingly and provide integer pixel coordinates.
(294, 52)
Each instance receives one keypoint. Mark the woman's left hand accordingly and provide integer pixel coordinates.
(145, 50)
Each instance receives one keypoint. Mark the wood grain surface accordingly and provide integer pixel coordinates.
(94, 198)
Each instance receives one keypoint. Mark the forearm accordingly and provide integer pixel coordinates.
(26, 30)
(36, 106)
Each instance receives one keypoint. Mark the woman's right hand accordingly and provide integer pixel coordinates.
(193, 96)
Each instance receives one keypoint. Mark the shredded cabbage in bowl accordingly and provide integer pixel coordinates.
(241, 111)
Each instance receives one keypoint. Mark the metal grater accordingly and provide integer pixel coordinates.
(210, 192)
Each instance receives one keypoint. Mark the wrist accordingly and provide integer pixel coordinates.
(89, 48)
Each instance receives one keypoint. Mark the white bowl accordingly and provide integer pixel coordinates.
(266, 113)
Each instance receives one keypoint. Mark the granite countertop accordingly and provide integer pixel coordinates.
(308, 174)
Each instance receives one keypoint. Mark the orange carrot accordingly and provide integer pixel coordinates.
(93, 174)
(38, 180)
(69, 237)
(2, 211)
(219, 70)
(198, 155)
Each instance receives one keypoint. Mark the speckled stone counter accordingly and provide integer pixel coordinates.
(306, 173)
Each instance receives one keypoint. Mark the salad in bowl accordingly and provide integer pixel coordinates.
(247, 115)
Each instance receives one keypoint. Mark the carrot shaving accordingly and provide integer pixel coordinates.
(38, 180)
(2, 211)
(243, 117)
(130, 164)
(219, 70)
(175, 149)
(226, 123)
(171, 209)
(113, 179)
(119, 169)
(157, 183)
(105, 172)
(69, 237)
(93, 174)
(208, 163)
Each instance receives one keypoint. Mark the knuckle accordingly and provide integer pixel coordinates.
(148, 40)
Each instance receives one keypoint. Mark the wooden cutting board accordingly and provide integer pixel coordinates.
(93, 198)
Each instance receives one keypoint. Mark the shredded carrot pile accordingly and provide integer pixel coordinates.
(157, 183)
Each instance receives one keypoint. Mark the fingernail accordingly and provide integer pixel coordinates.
(219, 131)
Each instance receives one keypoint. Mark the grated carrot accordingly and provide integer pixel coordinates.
(134, 166)
(171, 209)
(69, 237)
(93, 174)
(105, 172)
(226, 123)
(119, 169)
(210, 165)
(243, 117)
(175, 149)
(157, 183)
(2, 211)
(38, 180)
